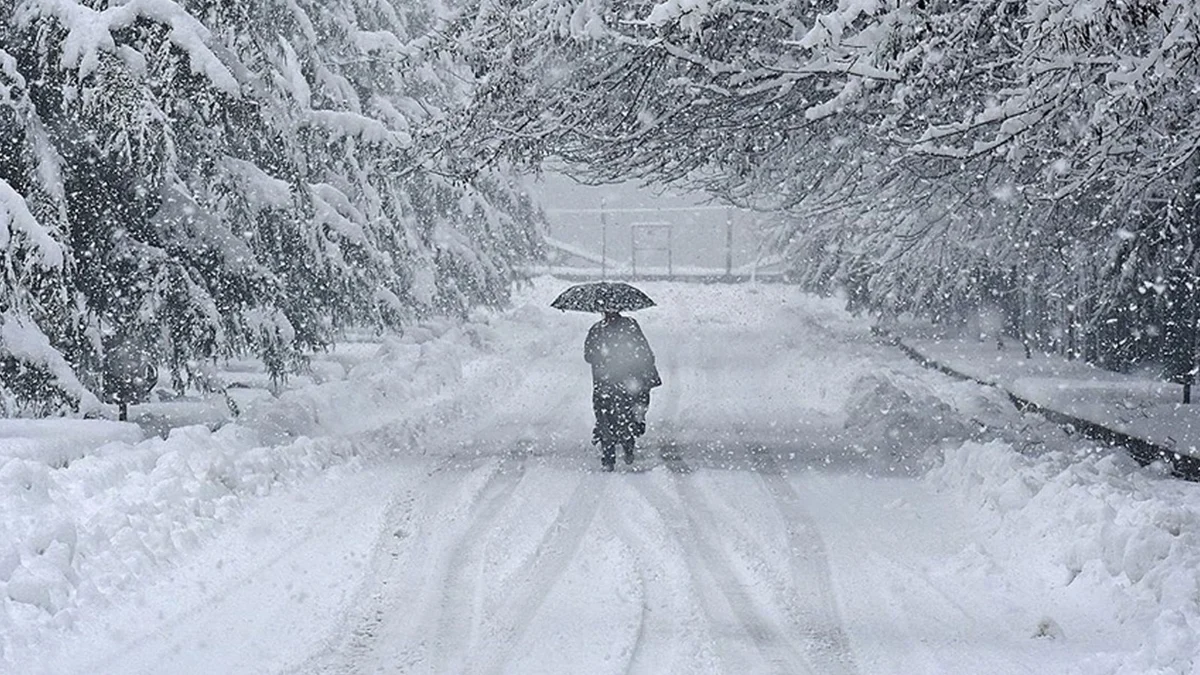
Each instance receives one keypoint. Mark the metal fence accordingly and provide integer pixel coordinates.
(700, 242)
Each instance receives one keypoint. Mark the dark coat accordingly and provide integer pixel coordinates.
(620, 355)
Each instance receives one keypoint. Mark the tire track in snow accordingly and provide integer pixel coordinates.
(709, 605)
(410, 641)
(668, 409)
(672, 458)
(639, 639)
(459, 606)
(390, 630)
(815, 614)
(671, 611)
(711, 569)
(773, 640)
(540, 572)
(258, 574)
(360, 628)
(806, 606)
(668, 446)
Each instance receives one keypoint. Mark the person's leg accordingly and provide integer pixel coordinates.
(608, 456)
(624, 415)
(640, 408)
(601, 405)
(605, 403)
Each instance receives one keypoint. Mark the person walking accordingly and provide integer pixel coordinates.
(623, 373)
(623, 370)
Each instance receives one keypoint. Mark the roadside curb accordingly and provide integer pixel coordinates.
(1145, 452)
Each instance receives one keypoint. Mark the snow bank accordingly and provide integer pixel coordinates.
(1092, 526)
(1111, 548)
(420, 367)
(80, 533)
(56, 442)
(1138, 405)
(899, 421)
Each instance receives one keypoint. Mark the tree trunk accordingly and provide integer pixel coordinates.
(1180, 320)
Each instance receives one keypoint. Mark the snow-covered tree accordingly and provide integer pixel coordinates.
(39, 317)
(931, 150)
(236, 177)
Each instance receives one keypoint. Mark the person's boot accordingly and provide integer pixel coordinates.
(629, 451)
(608, 457)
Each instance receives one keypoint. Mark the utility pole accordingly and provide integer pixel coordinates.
(756, 230)
(1191, 214)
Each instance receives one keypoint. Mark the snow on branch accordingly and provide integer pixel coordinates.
(828, 29)
(372, 41)
(14, 94)
(850, 91)
(387, 111)
(261, 190)
(333, 208)
(343, 124)
(291, 76)
(269, 322)
(195, 228)
(11, 80)
(447, 239)
(15, 218)
(24, 341)
(588, 20)
(90, 32)
(690, 13)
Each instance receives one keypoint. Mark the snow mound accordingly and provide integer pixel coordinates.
(56, 442)
(899, 421)
(1101, 534)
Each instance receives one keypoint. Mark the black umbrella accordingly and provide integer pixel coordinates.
(602, 296)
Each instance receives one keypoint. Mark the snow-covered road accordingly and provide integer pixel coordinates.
(781, 517)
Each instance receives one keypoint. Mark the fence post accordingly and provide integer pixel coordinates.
(633, 250)
(728, 242)
(670, 254)
(603, 239)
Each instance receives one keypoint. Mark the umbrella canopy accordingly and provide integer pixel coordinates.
(602, 296)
